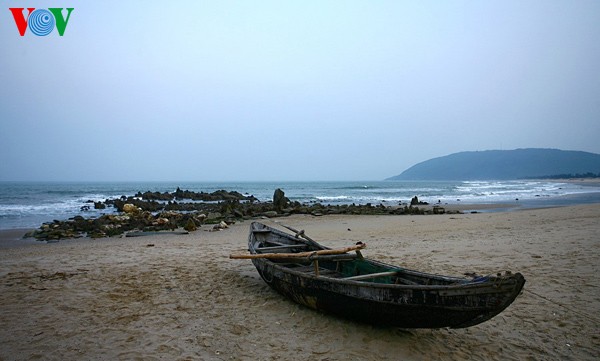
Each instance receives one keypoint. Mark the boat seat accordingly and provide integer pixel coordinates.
(370, 275)
(269, 241)
(273, 248)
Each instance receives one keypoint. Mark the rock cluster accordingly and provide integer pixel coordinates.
(154, 211)
(156, 201)
(115, 224)
(416, 202)
(220, 195)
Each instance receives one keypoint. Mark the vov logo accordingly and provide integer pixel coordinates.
(41, 22)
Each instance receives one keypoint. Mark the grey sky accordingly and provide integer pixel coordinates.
(282, 90)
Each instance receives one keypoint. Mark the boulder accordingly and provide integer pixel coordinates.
(416, 202)
(131, 209)
(270, 214)
(190, 226)
(221, 225)
(280, 201)
(162, 221)
(438, 210)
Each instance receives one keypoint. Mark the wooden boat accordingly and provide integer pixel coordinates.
(350, 286)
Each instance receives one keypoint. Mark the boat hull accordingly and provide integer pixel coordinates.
(447, 302)
(402, 307)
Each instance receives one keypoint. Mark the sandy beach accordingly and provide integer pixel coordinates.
(179, 297)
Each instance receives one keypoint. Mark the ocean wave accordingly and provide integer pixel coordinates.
(361, 199)
(359, 187)
(332, 198)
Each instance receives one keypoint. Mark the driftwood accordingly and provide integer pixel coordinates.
(299, 254)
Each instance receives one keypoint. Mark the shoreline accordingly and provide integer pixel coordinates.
(14, 237)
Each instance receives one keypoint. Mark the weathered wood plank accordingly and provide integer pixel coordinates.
(371, 275)
(289, 246)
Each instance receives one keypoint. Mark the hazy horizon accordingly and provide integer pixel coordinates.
(247, 181)
(292, 91)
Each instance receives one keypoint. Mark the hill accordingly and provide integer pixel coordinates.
(503, 164)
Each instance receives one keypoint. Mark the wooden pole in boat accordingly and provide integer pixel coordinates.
(299, 233)
(299, 254)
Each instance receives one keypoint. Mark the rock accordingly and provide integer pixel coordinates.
(97, 234)
(131, 209)
(99, 205)
(190, 226)
(270, 214)
(415, 201)
(221, 225)
(213, 216)
(151, 206)
(438, 210)
(160, 221)
(111, 230)
(280, 201)
(170, 214)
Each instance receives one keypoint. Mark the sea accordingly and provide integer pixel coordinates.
(30, 204)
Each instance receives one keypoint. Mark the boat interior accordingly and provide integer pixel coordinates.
(346, 266)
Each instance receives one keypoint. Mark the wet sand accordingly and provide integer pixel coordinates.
(14, 237)
(179, 297)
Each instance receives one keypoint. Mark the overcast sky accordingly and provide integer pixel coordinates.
(292, 90)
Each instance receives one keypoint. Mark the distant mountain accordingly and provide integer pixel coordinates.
(503, 164)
